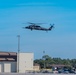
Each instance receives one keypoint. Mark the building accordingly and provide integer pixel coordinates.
(25, 62)
(36, 67)
(12, 62)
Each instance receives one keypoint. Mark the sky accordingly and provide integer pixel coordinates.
(59, 43)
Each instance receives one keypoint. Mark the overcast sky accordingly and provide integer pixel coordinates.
(60, 42)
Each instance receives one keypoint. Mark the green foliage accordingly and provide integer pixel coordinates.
(47, 61)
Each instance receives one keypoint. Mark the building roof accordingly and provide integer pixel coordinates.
(8, 53)
(58, 65)
(2, 59)
(8, 56)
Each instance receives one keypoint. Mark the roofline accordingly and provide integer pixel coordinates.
(8, 52)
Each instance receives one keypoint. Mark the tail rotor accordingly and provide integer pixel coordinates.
(52, 25)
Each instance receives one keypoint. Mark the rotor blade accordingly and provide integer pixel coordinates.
(40, 23)
(52, 24)
(35, 23)
(30, 23)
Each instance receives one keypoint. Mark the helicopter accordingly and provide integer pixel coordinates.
(35, 26)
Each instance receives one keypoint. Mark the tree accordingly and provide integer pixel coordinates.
(46, 61)
(57, 61)
(40, 62)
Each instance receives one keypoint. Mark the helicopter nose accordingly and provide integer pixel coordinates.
(26, 27)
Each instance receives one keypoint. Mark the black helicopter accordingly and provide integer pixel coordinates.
(35, 26)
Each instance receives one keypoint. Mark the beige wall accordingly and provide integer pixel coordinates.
(25, 62)
(36, 68)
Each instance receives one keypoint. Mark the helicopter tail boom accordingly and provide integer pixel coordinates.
(51, 27)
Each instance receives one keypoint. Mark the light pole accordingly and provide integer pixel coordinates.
(44, 58)
(18, 53)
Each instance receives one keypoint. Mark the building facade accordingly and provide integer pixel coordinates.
(25, 62)
(12, 62)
